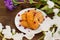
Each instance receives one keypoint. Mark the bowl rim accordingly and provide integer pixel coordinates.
(22, 28)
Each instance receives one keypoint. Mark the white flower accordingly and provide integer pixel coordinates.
(1, 27)
(50, 4)
(46, 24)
(13, 31)
(18, 36)
(29, 35)
(56, 20)
(56, 10)
(56, 36)
(7, 32)
(48, 36)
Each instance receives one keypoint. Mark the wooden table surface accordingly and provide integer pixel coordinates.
(7, 18)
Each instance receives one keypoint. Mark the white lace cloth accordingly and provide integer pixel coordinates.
(56, 21)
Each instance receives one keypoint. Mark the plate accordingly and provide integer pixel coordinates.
(27, 30)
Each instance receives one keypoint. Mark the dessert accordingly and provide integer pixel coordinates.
(31, 19)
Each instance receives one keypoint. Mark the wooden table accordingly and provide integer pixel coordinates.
(7, 18)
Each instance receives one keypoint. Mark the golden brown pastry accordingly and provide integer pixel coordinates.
(23, 16)
(31, 19)
(39, 16)
(24, 23)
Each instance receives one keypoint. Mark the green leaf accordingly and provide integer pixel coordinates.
(37, 5)
(43, 1)
(47, 9)
(31, 1)
(41, 38)
(56, 1)
(14, 2)
(1, 35)
(58, 14)
(53, 29)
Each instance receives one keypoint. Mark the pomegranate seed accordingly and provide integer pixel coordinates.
(35, 8)
(34, 13)
(38, 20)
(28, 10)
(18, 14)
(46, 16)
(34, 22)
(19, 25)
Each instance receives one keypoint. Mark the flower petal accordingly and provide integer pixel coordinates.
(50, 4)
(18, 36)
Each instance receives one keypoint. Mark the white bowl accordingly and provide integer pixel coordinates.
(27, 30)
